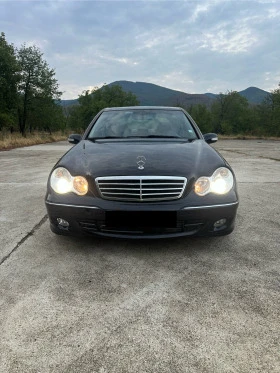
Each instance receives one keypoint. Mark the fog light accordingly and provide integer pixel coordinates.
(220, 223)
(62, 223)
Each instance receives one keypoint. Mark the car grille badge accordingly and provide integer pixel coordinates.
(141, 160)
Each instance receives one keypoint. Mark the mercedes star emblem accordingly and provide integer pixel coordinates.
(141, 160)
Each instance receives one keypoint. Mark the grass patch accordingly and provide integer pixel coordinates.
(247, 137)
(16, 140)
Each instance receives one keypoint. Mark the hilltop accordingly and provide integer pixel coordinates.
(151, 94)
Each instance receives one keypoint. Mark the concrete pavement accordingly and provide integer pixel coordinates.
(101, 305)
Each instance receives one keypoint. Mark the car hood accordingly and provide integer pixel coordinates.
(119, 158)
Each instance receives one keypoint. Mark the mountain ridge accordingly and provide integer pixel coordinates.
(149, 94)
(152, 94)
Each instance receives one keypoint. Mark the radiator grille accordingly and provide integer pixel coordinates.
(141, 188)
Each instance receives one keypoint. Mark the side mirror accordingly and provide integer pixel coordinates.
(74, 138)
(210, 138)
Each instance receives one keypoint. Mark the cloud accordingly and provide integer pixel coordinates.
(177, 79)
(235, 40)
(198, 10)
(210, 45)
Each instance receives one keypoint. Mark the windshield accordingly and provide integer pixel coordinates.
(142, 123)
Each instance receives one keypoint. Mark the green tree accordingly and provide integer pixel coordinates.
(91, 102)
(9, 76)
(202, 115)
(230, 113)
(37, 85)
(273, 110)
(46, 115)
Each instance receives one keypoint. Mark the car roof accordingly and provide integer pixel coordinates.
(143, 107)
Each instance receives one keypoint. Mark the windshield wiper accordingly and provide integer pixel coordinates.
(162, 137)
(104, 138)
(165, 136)
(141, 137)
(154, 137)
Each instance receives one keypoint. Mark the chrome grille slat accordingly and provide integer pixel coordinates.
(121, 193)
(119, 188)
(152, 194)
(141, 188)
(100, 183)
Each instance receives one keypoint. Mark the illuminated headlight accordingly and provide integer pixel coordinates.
(220, 182)
(63, 182)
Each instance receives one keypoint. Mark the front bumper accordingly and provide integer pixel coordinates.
(150, 221)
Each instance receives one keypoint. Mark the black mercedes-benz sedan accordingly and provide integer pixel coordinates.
(142, 172)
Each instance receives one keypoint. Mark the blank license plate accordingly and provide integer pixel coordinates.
(145, 219)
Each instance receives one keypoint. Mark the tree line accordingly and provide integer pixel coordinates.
(30, 96)
(232, 114)
(28, 90)
(30, 100)
(229, 114)
(91, 102)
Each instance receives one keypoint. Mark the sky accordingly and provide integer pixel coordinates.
(194, 46)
